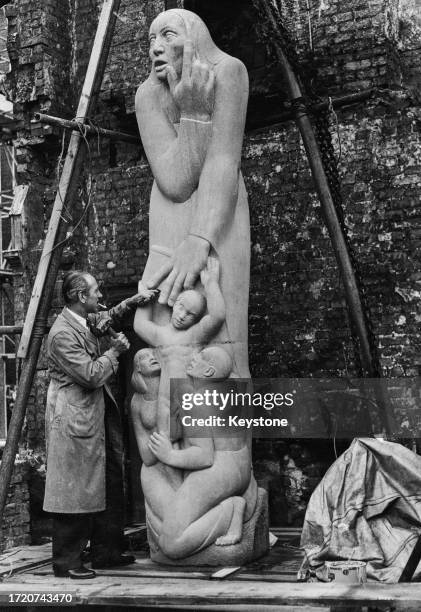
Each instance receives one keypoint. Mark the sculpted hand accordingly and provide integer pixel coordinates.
(194, 91)
(211, 272)
(119, 342)
(159, 444)
(188, 261)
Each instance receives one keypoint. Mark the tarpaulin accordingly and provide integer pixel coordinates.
(367, 508)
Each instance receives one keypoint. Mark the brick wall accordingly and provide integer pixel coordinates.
(295, 279)
(298, 319)
(15, 527)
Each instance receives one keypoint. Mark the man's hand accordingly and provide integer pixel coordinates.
(119, 342)
(144, 296)
(194, 91)
(159, 444)
(182, 271)
(99, 326)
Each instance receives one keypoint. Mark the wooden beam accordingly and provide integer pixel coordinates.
(412, 563)
(253, 124)
(88, 129)
(49, 263)
(10, 330)
(322, 186)
(274, 120)
(126, 592)
(339, 244)
(7, 274)
(72, 165)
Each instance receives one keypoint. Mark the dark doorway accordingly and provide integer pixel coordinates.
(233, 28)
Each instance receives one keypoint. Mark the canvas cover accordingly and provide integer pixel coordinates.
(366, 508)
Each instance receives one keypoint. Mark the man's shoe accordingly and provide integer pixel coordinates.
(78, 573)
(116, 561)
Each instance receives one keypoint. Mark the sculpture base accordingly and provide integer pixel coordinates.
(254, 543)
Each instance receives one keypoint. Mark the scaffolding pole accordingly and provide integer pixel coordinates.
(90, 129)
(36, 317)
(340, 247)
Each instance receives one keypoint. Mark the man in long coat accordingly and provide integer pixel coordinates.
(84, 484)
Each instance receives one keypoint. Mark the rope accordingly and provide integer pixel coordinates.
(83, 132)
(38, 330)
(98, 136)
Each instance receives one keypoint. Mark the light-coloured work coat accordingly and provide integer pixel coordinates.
(74, 419)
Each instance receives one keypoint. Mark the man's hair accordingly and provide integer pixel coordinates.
(74, 282)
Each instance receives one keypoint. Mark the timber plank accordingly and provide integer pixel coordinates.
(281, 564)
(257, 608)
(125, 591)
(21, 558)
(279, 576)
(6, 588)
(36, 557)
(134, 571)
(72, 163)
(275, 577)
(249, 594)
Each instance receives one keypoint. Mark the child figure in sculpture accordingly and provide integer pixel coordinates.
(188, 330)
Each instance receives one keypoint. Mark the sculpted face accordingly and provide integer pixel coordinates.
(198, 366)
(187, 309)
(147, 363)
(167, 36)
(212, 362)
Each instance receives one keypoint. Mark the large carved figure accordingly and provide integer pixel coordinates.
(191, 114)
(217, 491)
(159, 481)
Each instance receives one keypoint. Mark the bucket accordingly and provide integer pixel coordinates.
(348, 572)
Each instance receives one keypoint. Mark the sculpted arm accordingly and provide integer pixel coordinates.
(218, 185)
(144, 327)
(176, 160)
(196, 457)
(142, 435)
(210, 324)
(73, 359)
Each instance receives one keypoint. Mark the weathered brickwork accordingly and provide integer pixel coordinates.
(296, 282)
(349, 42)
(298, 318)
(39, 49)
(15, 526)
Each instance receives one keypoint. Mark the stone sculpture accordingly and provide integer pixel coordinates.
(187, 329)
(159, 481)
(209, 506)
(191, 114)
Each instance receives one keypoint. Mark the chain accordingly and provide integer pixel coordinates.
(321, 123)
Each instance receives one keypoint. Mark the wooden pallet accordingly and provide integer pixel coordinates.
(266, 585)
(196, 594)
(281, 564)
(24, 558)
